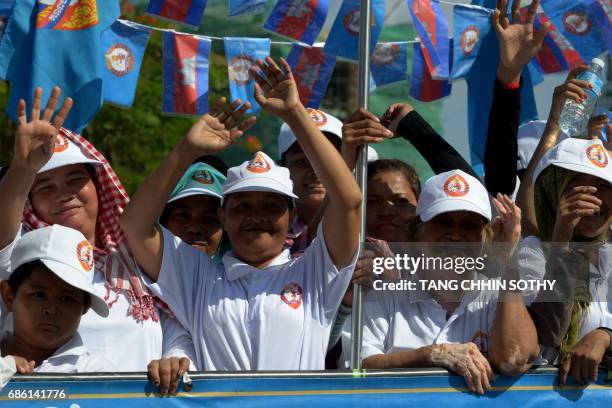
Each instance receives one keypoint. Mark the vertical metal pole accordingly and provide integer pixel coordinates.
(361, 172)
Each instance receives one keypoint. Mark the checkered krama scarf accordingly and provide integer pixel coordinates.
(114, 257)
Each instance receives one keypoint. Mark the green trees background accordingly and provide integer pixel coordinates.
(135, 140)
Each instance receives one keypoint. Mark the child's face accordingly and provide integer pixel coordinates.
(46, 310)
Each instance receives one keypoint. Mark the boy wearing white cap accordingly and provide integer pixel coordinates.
(49, 289)
(573, 207)
(258, 309)
(469, 336)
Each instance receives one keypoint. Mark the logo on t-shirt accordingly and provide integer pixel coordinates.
(597, 155)
(259, 164)
(456, 186)
(85, 255)
(292, 295)
(61, 144)
(481, 340)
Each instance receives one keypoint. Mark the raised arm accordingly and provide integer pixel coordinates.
(277, 93)
(34, 143)
(212, 133)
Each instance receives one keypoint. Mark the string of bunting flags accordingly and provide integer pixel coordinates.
(577, 30)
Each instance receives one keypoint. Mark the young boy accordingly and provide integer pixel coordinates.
(48, 290)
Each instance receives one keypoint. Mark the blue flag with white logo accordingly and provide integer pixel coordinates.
(389, 63)
(49, 44)
(343, 39)
(470, 25)
(241, 7)
(241, 54)
(124, 46)
(577, 22)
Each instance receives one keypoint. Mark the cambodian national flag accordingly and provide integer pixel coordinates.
(242, 54)
(300, 20)
(578, 24)
(185, 62)
(241, 7)
(124, 46)
(343, 38)
(57, 43)
(432, 28)
(471, 24)
(422, 86)
(389, 63)
(183, 11)
(557, 54)
(312, 68)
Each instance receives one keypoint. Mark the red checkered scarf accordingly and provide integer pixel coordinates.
(114, 257)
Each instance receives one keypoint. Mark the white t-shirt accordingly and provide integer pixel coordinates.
(73, 357)
(244, 318)
(393, 322)
(532, 265)
(128, 344)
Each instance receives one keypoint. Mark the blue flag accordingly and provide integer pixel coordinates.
(343, 39)
(312, 68)
(576, 21)
(241, 7)
(389, 63)
(470, 25)
(432, 28)
(480, 95)
(185, 62)
(45, 45)
(300, 20)
(124, 47)
(241, 54)
(602, 11)
(5, 9)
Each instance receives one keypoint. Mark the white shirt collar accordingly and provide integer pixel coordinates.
(236, 269)
(72, 349)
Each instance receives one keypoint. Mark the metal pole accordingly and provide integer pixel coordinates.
(361, 172)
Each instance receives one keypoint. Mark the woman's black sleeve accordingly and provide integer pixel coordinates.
(501, 150)
(440, 155)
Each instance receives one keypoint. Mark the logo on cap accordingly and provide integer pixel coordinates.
(597, 155)
(85, 255)
(456, 186)
(259, 164)
(577, 22)
(203, 176)
(292, 295)
(61, 144)
(469, 39)
(318, 117)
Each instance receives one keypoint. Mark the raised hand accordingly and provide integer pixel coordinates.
(578, 202)
(572, 88)
(360, 128)
(35, 139)
(394, 115)
(220, 128)
(598, 123)
(518, 41)
(507, 225)
(275, 89)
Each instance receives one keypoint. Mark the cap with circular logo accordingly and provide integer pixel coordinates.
(66, 253)
(199, 179)
(582, 156)
(453, 191)
(259, 174)
(325, 122)
(65, 153)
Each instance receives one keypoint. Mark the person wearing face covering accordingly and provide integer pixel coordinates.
(573, 207)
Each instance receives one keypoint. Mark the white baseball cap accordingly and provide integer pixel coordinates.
(259, 174)
(453, 190)
(66, 253)
(579, 155)
(199, 179)
(66, 152)
(528, 137)
(325, 122)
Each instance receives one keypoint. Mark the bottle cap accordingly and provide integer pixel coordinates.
(599, 62)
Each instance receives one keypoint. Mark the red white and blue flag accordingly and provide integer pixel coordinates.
(422, 86)
(183, 11)
(312, 68)
(185, 62)
(432, 28)
(300, 20)
(557, 54)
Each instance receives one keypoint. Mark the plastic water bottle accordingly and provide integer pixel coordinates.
(575, 115)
